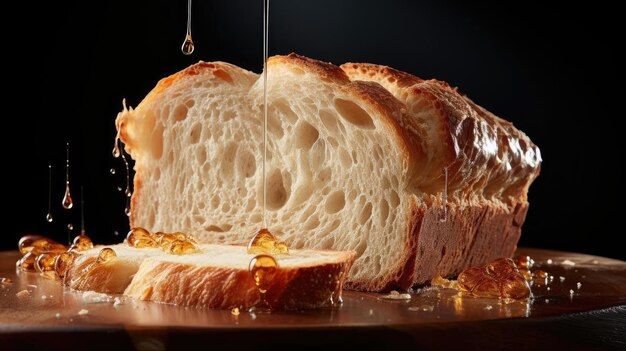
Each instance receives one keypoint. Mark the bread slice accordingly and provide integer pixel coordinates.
(356, 161)
(215, 277)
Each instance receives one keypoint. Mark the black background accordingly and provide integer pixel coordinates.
(555, 72)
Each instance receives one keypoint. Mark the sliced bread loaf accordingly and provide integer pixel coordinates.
(217, 276)
(357, 160)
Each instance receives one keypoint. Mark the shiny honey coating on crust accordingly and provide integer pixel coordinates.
(176, 243)
(264, 242)
(44, 255)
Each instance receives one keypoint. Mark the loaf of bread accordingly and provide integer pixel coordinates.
(217, 276)
(411, 174)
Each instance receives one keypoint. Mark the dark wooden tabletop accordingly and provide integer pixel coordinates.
(580, 305)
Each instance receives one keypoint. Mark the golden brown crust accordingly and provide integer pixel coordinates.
(325, 70)
(485, 155)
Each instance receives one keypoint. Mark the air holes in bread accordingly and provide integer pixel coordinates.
(190, 103)
(354, 114)
(394, 200)
(228, 160)
(312, 223)
(246, 163)
(180, 112)
(215, 201)
(157, 142)
(306, 135)
(285, 111)
(223, 75)
(344, 158)
(201, 155)
(274, 127)
(330, 122)
(194, 134)
(277, 194)
(213, 228)
(302, 194)
(384, 211)
(335, 202)
(366, 213)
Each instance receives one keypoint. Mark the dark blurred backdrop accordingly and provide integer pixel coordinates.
(555, 72)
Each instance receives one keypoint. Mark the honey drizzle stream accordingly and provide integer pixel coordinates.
(117, 152)
(82, 211)
(266, 12)
(127, 192)
(188, 47)
(67, 197)
(49, 214)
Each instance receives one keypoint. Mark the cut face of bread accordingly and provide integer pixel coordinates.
(217, 276)
(355, 162)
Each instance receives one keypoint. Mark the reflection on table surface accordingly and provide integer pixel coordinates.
(574, 283)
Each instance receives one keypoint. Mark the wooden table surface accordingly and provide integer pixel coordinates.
(582, 307)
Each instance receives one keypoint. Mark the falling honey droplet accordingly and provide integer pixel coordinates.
(127, 191)
(263, 269)
(70, 226)
(188, 46)
(116, 147)
(49, 214)
(67, 198)
(112, 170)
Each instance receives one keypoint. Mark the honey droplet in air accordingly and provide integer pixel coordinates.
(182, 247)
(82, 242)
(112, 171)
(188, 46)
(49, 214)
(263, 268)
(67, 198)
(106, 255)
(45, 262)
